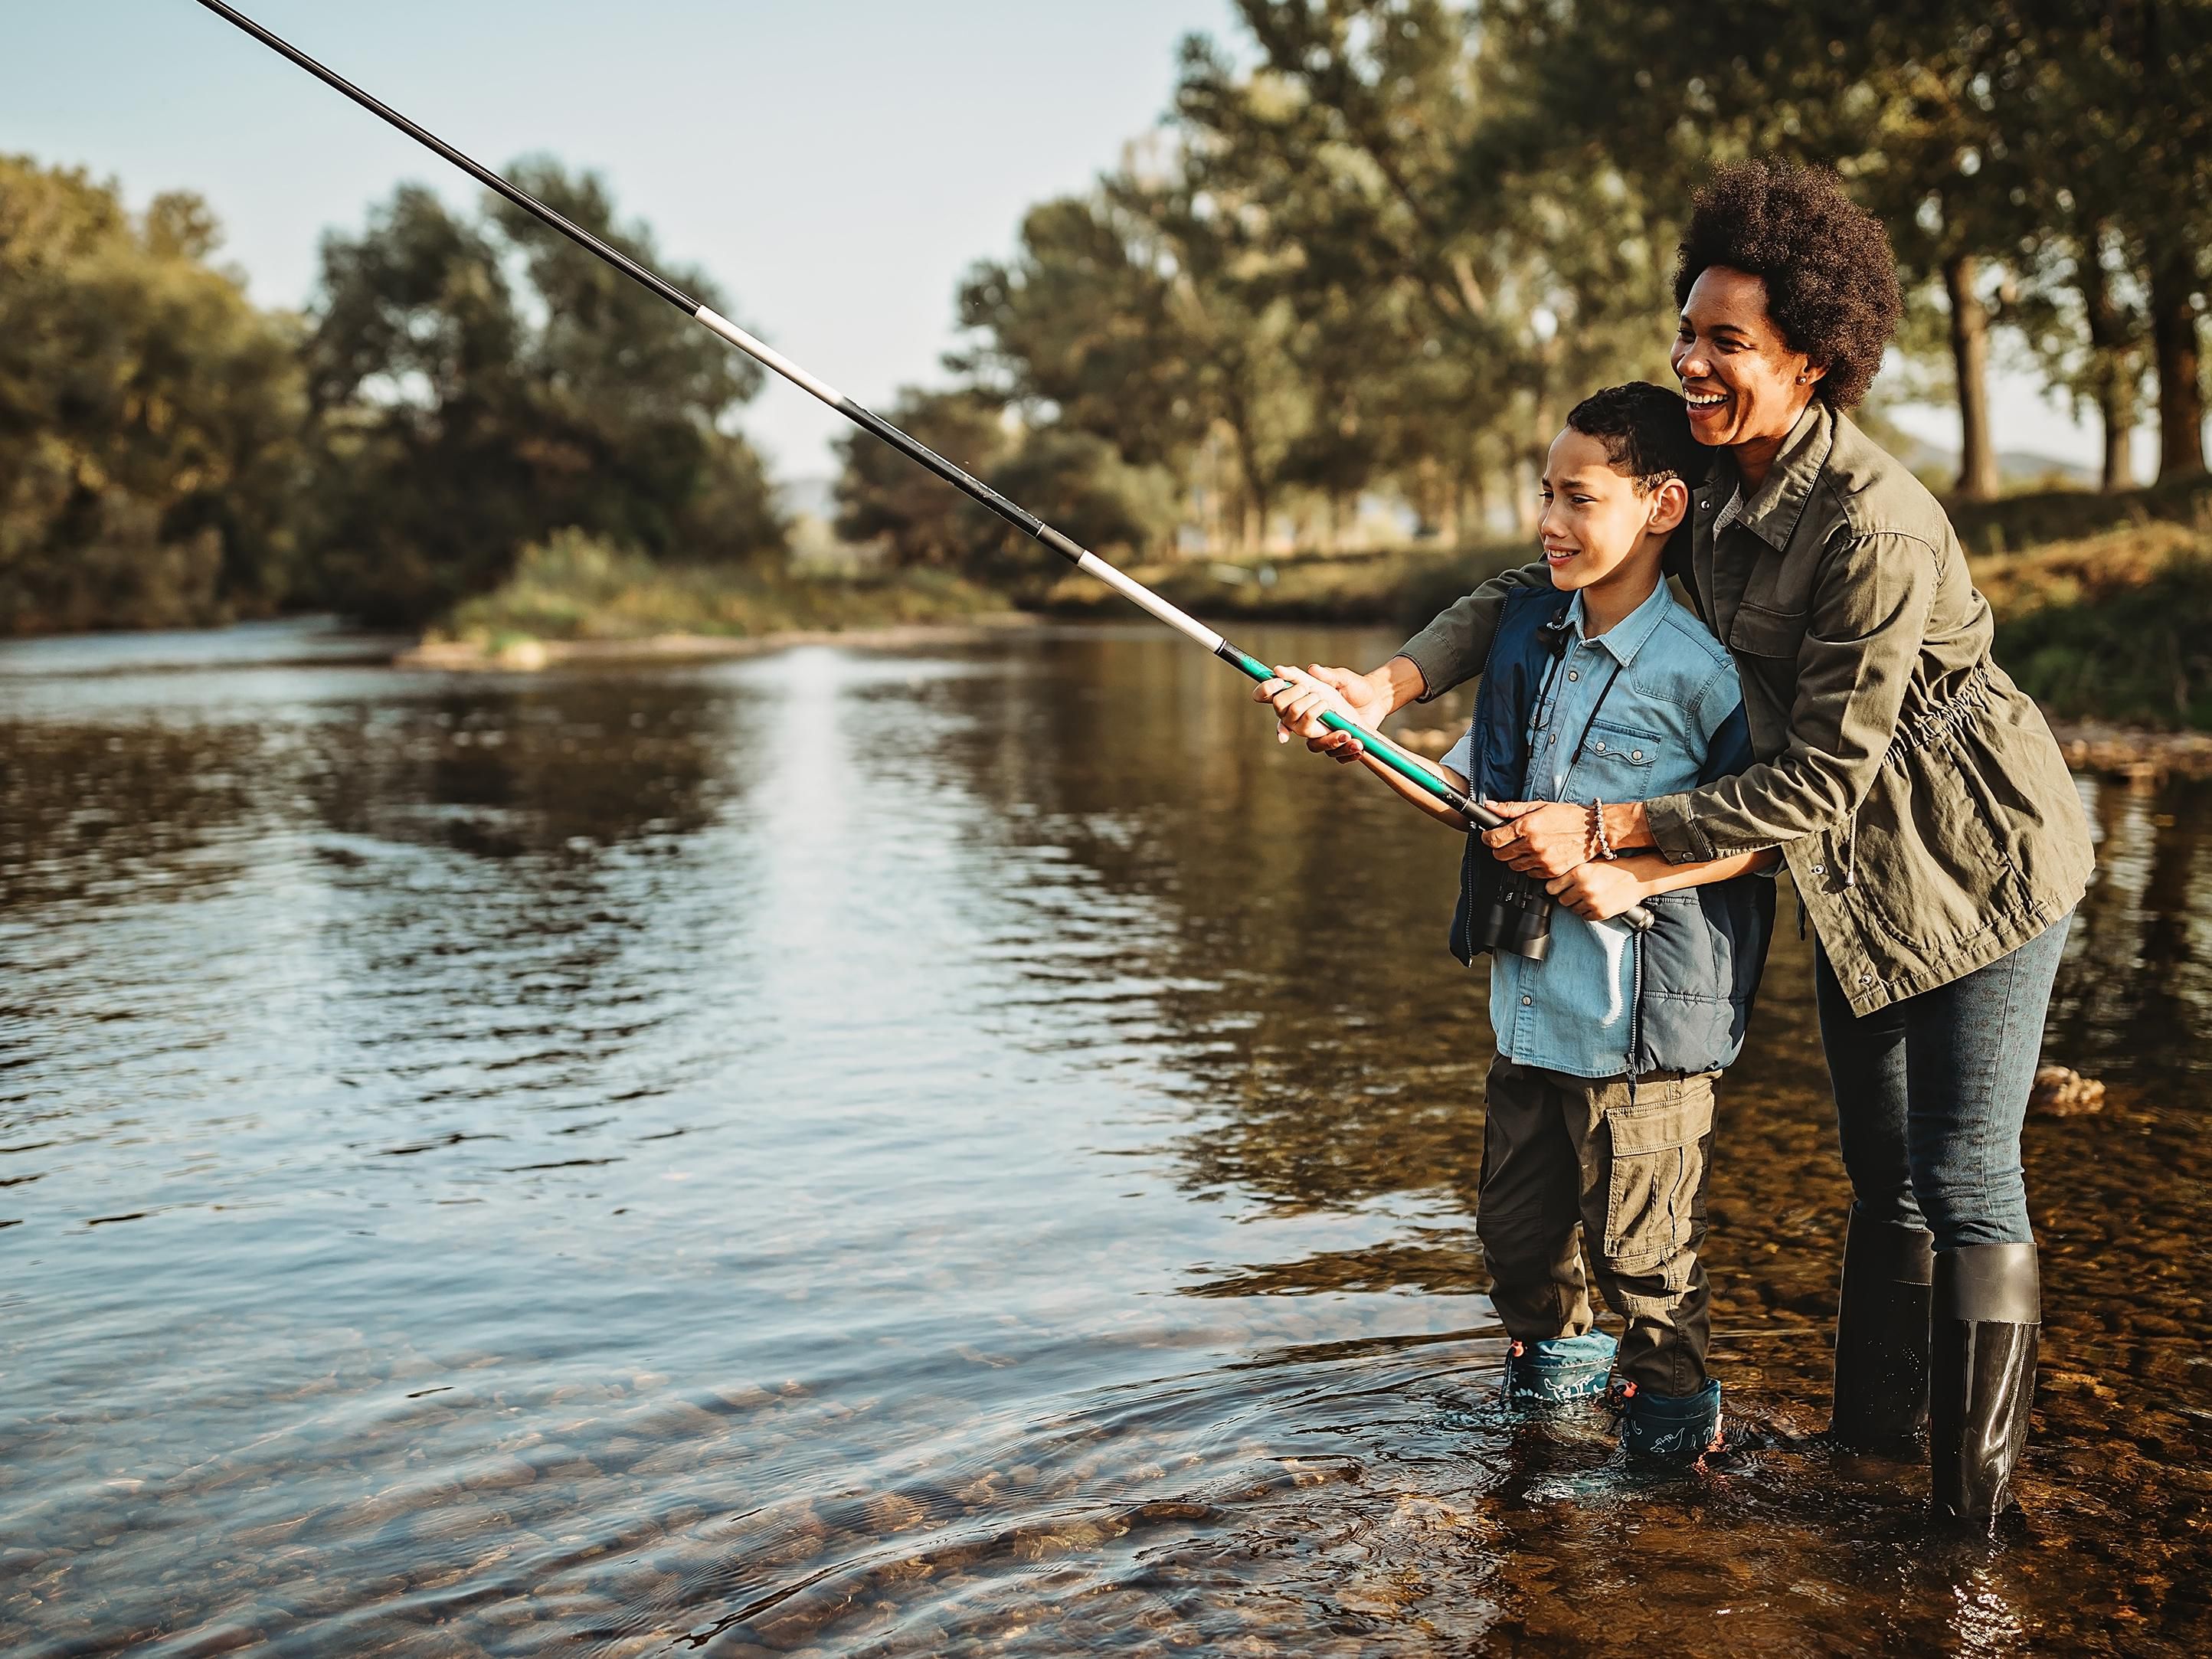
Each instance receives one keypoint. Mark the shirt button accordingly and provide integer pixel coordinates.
(1866, 976)
(1525, 1001)
(1636, 754)
(1574, 673)
(1601, 746)
(1819, 869)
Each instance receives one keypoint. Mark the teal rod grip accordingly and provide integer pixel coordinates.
(1381, 747)
(1639, 918)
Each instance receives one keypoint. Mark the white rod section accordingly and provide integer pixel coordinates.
(760, 351)
(1143, 596)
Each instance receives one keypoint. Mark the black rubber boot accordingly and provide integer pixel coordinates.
(1988, 1306)
(1881, 1335)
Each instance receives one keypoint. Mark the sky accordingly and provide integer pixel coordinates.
(835, 165)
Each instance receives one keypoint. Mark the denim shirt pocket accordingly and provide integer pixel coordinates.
(1619, 760)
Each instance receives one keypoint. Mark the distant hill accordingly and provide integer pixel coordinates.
(2015, 467)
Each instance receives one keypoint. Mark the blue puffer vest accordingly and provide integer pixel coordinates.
(1698, 970)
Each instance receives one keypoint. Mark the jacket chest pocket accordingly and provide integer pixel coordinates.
(1759, 632)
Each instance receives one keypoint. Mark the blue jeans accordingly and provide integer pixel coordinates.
(1931, 1091)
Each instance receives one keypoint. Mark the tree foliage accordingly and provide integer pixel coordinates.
(464, 385)
(1382, 245)
(149, 415)
(480, 382)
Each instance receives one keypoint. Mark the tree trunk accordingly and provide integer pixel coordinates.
(2112, 365)
(2119, 470)
(1527, 495)
(1970, 357)
(2180, 369)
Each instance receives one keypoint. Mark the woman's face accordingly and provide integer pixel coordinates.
(1742, 382)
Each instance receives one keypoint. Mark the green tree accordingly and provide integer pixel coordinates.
(2113, 102)
(481, 382)
(150, 467)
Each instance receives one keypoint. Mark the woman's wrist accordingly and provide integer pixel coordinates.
(1628, 827)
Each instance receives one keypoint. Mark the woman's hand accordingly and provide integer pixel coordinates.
(1545, 838)
(1300, 696)
(1596, 890)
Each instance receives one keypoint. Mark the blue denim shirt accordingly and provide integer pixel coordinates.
(1623, 717)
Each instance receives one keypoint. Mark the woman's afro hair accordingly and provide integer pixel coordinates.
(1831, 277)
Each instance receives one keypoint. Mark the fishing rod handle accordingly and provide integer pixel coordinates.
(1636, 918)
(1402, 761)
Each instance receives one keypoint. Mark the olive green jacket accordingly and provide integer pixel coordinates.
(1927, 817)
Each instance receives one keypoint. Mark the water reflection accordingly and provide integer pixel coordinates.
(910, 1151)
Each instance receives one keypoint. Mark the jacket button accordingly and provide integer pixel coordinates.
(1574, 673)
(1819, 869)
(1866, 976)
(1601, 746)
(1636, 754)
(1525, 1001)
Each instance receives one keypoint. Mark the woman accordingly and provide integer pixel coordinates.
(1929, 824)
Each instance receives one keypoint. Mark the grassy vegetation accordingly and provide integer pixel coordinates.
(2038, 518)
(2116, 626)
(574, 586)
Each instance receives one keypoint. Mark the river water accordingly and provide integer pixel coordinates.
(957, 1148)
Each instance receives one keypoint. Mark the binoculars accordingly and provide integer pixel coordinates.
(1518, 918)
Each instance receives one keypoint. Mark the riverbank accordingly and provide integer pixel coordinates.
(572, 599)
(2111, 631)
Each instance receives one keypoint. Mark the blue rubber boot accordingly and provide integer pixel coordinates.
(1671, 1428)
(1559, 1368)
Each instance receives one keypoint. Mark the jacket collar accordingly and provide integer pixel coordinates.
(1625, 637)
(1772, 512)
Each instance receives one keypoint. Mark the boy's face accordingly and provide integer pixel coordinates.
(1594, 521)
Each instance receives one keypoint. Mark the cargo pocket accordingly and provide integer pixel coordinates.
(1658, 1161)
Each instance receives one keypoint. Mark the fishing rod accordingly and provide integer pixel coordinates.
(1528, 922)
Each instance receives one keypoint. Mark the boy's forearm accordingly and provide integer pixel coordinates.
(1656, 875)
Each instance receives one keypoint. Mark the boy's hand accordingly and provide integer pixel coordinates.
(1300, 697)
(1545, 838)
(1357, 698)
(1596, 891)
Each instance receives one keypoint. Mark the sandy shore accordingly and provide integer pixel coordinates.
(527, 655)
(2143, 757)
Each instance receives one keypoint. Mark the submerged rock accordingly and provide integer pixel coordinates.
(2060, 1091)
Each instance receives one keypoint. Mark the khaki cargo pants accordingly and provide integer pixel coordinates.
(1563, 1155)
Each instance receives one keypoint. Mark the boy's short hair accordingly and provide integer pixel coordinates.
(1645, 430)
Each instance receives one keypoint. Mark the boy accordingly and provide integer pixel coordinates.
(1601, 1097)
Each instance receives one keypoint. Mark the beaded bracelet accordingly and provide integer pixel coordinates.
(1601, 844)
